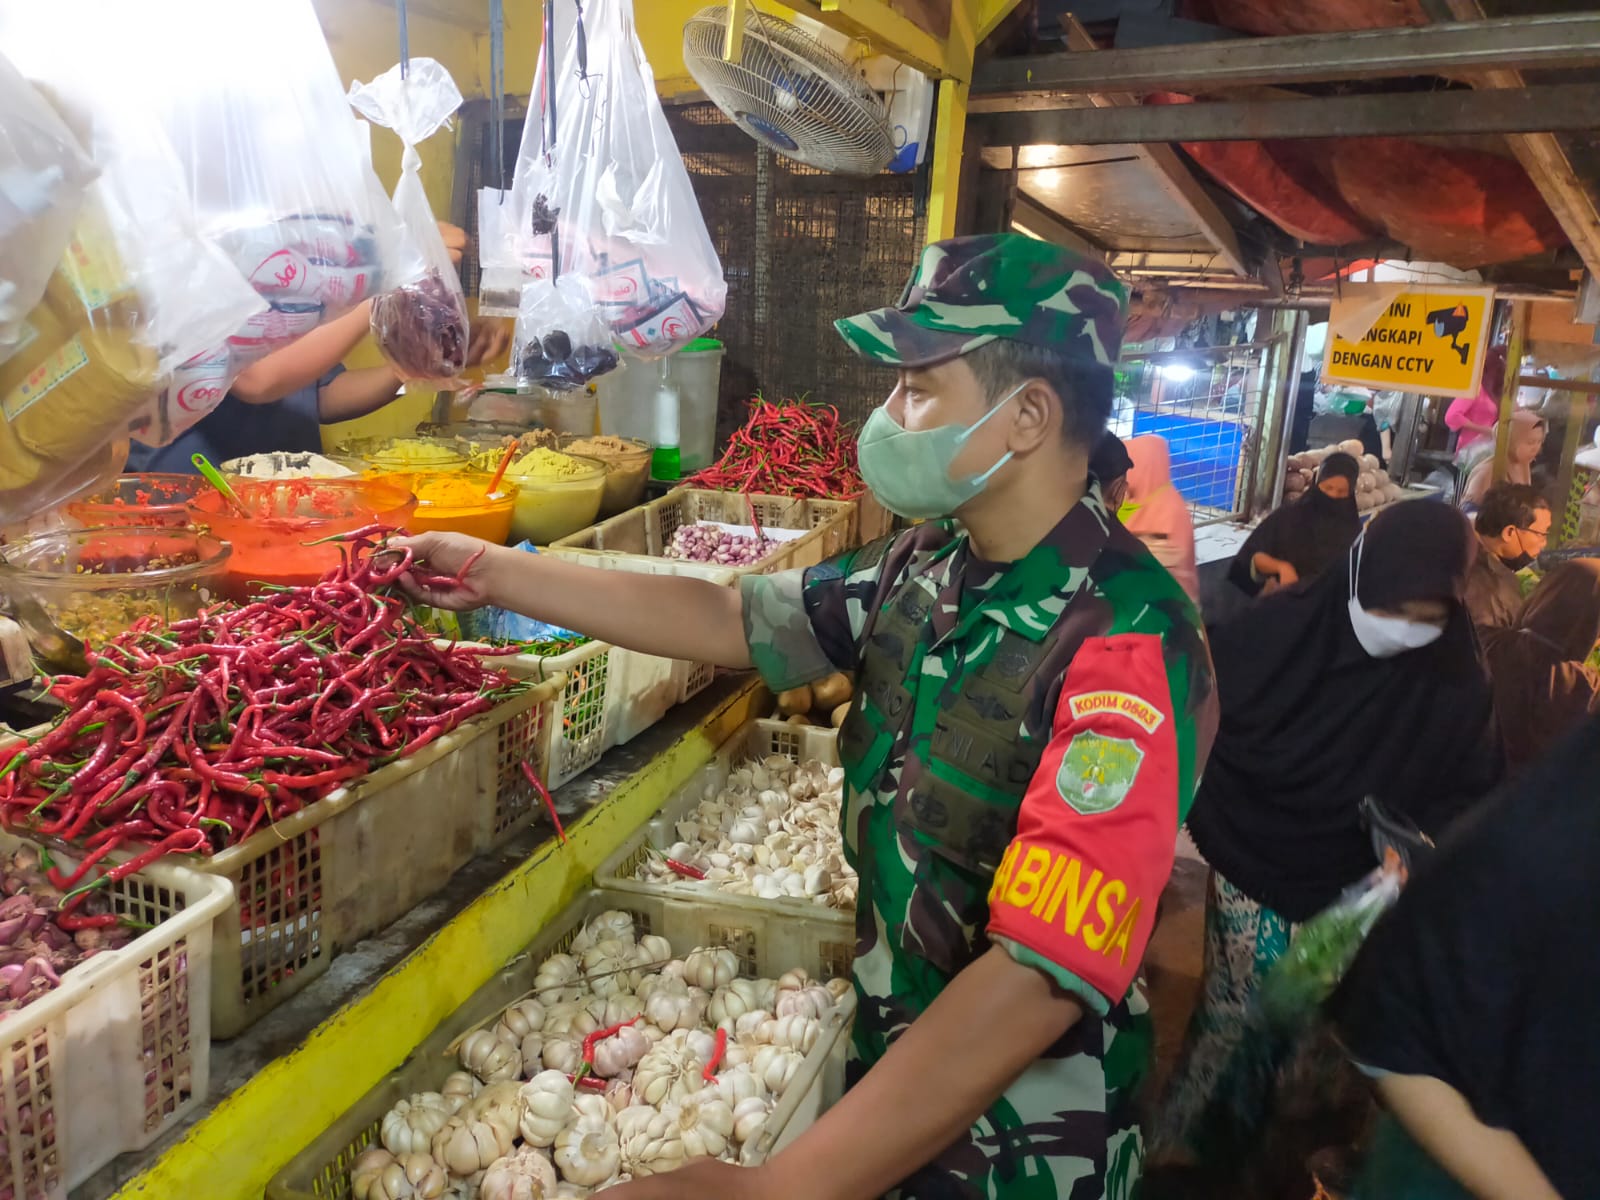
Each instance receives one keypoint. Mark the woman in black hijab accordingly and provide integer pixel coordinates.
(1304, 538)
(1473, 1000)
(1363, 682)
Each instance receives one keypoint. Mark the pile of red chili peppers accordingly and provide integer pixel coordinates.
(191, 737)
(788, 448)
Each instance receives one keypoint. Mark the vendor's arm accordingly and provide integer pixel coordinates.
(1490, 1163)
(352, 394)
(305, 360)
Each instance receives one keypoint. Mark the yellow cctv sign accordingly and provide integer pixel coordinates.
(1429, 341)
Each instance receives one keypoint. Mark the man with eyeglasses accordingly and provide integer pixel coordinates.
(1513, 527)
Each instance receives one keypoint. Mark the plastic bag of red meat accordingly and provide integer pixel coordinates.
(279, 170)
(600, 192)
(421, 326)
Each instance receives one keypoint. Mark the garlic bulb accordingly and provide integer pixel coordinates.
(613, 924)
(756, 1026)
(652, 950)
(711, 967)
(614, 1010)
(556, 979)
(750, 1118)
(466, 1145)
(406, 1177)
(409, 1126)
(608, 967)
(736, 998)
(618, 1095)
(558, 1018)
(459, 1089)
(489, 1057)
(738, 1084)
(839, 988)
(562, 1052)
(521, 1019)
(775, 1066)
(500, 1102)
(649, 1141)
(587, 1151)
(705, 1123)
(799, 995)
(546, 1106)
(525, 1174)
(670, 1071)
(796, 1032)
(621, 1050)
(673, 1004)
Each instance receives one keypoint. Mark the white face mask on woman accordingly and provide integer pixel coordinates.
(1381, 635)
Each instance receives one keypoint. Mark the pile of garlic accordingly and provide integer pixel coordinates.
(771, 831)
(513, 1125)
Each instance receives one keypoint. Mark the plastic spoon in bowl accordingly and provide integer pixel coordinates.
(500, 472)
(215, 479)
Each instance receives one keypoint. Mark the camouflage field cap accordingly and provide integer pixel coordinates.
(966, 292)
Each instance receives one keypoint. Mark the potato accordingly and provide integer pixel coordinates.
(798, 719)
(795, 700)
(839, 714)
(1369, 462)
(1352, 447)
(831, 692)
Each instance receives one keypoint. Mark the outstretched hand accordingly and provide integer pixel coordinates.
(452, 570)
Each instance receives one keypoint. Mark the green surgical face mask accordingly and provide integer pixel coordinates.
(909, 470)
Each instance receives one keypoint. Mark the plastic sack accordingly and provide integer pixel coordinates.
(561, 340)
(421, 327)
(135, 295)
(502, 626)
(279, 171)
(608, 200)
(43, 174)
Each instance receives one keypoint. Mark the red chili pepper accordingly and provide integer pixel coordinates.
(600, 1035)
(549, 803)
(709, 1073)
(684, 869)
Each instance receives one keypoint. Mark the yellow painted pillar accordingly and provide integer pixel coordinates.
(950, 135)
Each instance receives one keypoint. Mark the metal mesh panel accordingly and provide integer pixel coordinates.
(1207, 404)
(799, 247)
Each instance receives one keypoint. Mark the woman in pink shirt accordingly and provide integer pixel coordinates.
(1473, 417)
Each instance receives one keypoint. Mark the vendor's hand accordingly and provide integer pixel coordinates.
(702, 1179)
(1287, 575)
(438, 557)
(491, 337)
(455, 241)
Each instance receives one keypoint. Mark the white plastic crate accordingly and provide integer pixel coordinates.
(112, 1058)
(758, 739)
(766, 945)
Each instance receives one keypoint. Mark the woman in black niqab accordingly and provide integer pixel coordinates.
(1308, 534)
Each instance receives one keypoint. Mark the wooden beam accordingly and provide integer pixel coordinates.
(1545, 160)
(1029, 216)
(1546, 42)
(1555, 107)
(1174, 177)
(988, 16)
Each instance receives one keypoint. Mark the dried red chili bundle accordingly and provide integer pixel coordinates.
(788, 448)
(190, 738)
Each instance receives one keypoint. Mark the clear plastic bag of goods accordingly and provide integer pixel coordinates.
(137, 292)
(561, 339)
(600, 192)
(421, 327)
(279, 169)
(43, 175)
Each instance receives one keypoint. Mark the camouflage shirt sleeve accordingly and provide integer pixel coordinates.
(804, 624)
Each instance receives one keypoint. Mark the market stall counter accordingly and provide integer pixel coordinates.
(276, 1088)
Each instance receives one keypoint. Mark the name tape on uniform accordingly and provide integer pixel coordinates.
(1147, 716)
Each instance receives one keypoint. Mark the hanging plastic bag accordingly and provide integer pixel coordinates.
(600, 192)
(561, 341)
(43, 175)
(421, 327)
(278, 168)
(136, 294)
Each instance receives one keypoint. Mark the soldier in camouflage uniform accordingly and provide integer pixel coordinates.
(1034, 705)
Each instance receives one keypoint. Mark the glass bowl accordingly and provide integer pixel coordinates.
(459, 502)
(269, 546)
(390, 455)
(627, 467)
(152, 499)
(95, 583)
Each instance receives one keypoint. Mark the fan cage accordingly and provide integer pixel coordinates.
(791, 92)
